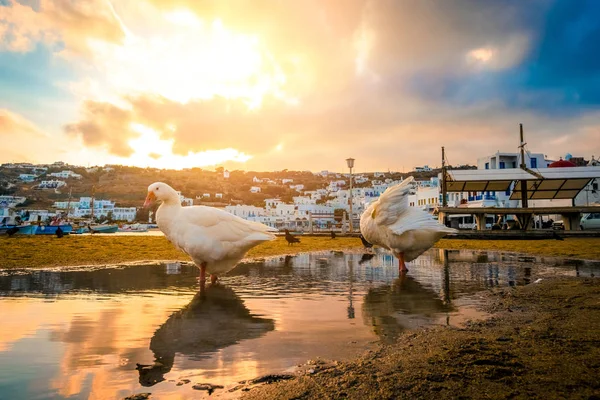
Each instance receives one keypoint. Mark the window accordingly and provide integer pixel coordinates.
(534, 163)
(487, 165)
(502, 165)
(514, 164)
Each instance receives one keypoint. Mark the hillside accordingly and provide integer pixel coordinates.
(127, 186)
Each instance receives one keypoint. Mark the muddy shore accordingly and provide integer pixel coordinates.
(541, 341)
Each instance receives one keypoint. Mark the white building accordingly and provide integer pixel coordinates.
(424, 168)
(512, 160)
(255, 189)
(303, 200)
(102, 208)
(360, 179)
(245, 211)
(185, 201)
(297, 188)
(226, 174)
(272, 203)
(286, 180)
(65, 175)
(218, 195)
(7, 201)
(51, 184)
(27, 177)
(124, 214)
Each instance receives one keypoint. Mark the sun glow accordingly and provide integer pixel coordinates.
(185, 58)
(152, 151)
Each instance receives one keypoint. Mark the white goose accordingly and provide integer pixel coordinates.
(215, 239)
(407, 231)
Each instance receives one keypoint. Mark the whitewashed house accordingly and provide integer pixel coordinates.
(245, 211)
(67, 174)
(27, 177)
(255, 189)
(51, 184)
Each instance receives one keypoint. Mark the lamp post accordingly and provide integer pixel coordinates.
(350, 162)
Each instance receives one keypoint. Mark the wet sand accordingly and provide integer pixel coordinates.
(541, 341)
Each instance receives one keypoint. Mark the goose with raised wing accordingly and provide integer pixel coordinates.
(214, 239)
(406, 231)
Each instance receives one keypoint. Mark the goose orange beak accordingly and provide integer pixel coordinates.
(149, 199)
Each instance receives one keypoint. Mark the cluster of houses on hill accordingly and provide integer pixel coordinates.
(320, 209)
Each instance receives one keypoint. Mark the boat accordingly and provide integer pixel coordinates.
(51, 229)
(23, 229)
(97, 229)
(104, 228)
(134, 228)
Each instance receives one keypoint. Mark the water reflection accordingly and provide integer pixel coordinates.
(405, 304)
(80, 333)
(214, 319)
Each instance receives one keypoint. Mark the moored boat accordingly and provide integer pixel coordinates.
(104, 228)
(22, 229)
(51, 229)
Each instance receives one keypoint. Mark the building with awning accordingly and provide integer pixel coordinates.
(537, 191)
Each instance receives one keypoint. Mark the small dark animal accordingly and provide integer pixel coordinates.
(291, 239)
(365, 243)
(59, 232)
(12, 231)
(556, 236)
(332, 234)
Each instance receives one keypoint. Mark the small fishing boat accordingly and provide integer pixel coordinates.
(51, 229)
(104, 228)
(134, 228)
(23, 229)
(97, 229)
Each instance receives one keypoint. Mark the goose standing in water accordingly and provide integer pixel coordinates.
(407, 231)
(215, 239)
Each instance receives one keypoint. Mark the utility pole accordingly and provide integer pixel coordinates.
(444, 189)
(524, 168)
(350, 163)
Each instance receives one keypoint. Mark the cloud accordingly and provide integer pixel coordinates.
(71, 24)
(23, 141)
(106, 126)
(386, 81)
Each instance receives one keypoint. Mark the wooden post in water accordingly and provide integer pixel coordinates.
(444, 201)
(524, 168)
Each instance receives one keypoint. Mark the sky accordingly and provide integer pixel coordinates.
(299, 85)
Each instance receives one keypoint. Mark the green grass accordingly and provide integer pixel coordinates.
(49, 251)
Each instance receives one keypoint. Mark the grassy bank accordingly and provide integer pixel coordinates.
(584, 248)
(42, 251)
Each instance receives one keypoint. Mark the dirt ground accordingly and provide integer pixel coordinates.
(541, 341)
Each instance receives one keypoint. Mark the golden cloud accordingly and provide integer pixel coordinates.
(70, 22)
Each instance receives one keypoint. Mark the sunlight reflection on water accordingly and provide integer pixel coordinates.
(81, 332)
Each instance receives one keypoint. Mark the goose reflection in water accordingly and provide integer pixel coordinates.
(406, 304)
(215, 318)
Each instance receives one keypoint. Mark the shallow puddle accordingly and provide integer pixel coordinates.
(80, 333)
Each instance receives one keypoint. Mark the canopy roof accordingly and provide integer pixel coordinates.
(558, 183)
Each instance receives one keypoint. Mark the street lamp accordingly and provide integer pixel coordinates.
(350, 162)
